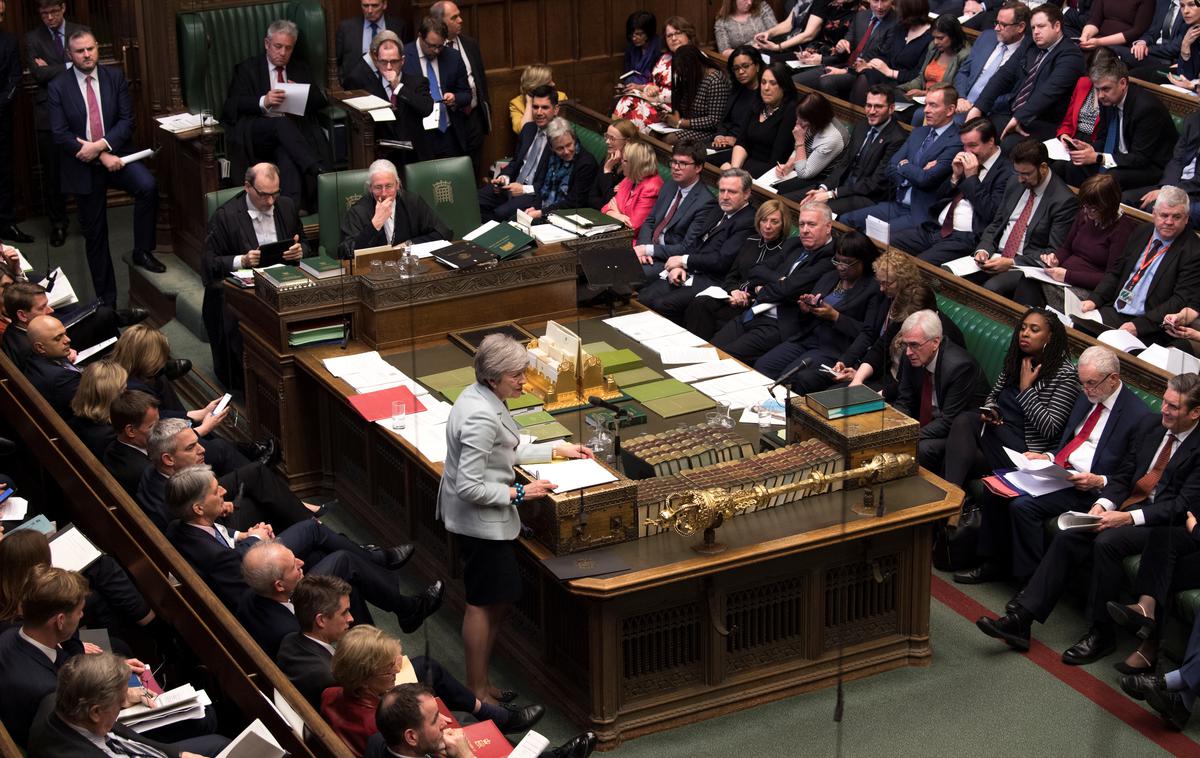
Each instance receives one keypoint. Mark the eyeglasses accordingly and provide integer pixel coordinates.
(610, 138)
(845, 262)
(914, 346)
(260, 193)
(743, 66)
(1094, 384)
(673, 35)
(396, 63)
(383, 187)
(682, 164)
(1003, 25)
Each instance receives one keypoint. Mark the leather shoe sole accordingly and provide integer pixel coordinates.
(1142, 626)
(522, 719)
(429, 602)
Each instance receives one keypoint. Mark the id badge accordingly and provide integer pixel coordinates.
(1125, 296)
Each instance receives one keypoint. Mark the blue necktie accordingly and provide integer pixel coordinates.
(985, 76)
(1114, 131)
(435, 91)
(929, 138)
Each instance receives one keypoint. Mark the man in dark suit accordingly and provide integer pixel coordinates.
(1033, 218)
(81, 715)
(479, 112)
(966, 204)
(1038, 84)
(355, 34)
(51, 369)
(991, 50)
(133, 415)
(1101, 431)
(449, 87)
(91, 116)
(87, 324)
(10, 79)
(1134, 138)
(271, 571)
(388, 214)
(919, 167)
(1180, 172)
(707, 264)
(46, 48)
(532, 154)
(1158, 275)
(198, 501)
(870, 33)
(1153, 487)
(938, 381)
(679, 215)
(258, 130)
(858, 177)
(807, 257)
(322, 606)
(408, 93)
(564, 180)
(257, 216)
(1157, 49)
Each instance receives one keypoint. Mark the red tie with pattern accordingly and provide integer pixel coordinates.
(926, 415)
(1012, 245)
(1149, 480)
(1088, 425)
(95, 121)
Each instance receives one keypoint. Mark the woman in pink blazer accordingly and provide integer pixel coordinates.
(639, 189)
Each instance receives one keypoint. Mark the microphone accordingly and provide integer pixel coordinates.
(789, 373)
(602, 403)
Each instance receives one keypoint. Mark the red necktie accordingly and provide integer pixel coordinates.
(862, 43)
(948, 223)
(95, 121)
(1088, 425)
(279, 75)
(926, 415)
(1012, 245)
(1149, 480)
(658, 230)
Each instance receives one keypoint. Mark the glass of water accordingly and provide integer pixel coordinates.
(399, 414)
(207, 122)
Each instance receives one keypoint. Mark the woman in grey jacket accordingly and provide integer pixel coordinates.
(478, 497)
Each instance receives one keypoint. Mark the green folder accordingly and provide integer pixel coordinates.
(532, 419)
(615, 361)
(636, 376)
(654, 390)
(594, 348)
(678, 405)
(459, 377)
(524, 401)
(451, 393)
(544, 432)
(504, 241)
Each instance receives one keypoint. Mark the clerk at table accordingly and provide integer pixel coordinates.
(388, 214)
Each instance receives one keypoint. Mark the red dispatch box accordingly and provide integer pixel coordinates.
(378, 404)
(484, 737)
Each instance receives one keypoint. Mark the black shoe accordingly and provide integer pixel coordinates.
(177, 368)
(396, 557)
(326, 508)
(522, 719)
(1010, 627)
(579, 746)
(11, 232)
(1138, 686)
(131, 316)
(148, 262)
(506, 696)
(58, 236)
(428, 603)
(1170, 706)
(1014, 602)
(1130, 618)
(1091, 647)
(984, 572)
(266, 452)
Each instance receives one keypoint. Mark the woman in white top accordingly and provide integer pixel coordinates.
(819, 141)
(740, 21)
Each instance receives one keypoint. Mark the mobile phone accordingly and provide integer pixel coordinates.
(829, 370)
(6, 494)
(221, 406)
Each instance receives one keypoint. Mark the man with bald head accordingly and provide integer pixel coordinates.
(52, 369)
(388, 214)
(271, 571)
(258, 215)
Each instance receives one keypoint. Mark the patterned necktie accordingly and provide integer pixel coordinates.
(862, 43)
(279, 75)
(95, 121)
(925, 143)
(533, 156)
(662, 225)
(1143, 266)
(58, 44)
(1149, 480)
(1086, 431)
(435, 91)
(1012, 245)
(374, 31)
(948, 222)
(120, 746)
(1027, 88)
(926, 415)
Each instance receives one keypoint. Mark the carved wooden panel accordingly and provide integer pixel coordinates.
(861, 601)
(661, 649)
(766, 623)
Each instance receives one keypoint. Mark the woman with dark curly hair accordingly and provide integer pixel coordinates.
(699, 92)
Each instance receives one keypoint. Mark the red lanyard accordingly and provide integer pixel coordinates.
(1137, 275)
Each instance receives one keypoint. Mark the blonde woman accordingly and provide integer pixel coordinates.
(534, 75)
(636, 193)
(100, 384)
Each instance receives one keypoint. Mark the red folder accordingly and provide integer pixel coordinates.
(378, 404)
(486, 741)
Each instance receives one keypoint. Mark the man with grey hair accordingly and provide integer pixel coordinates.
(198, 501)
(530, 158)
(258, 130)
(1159, 273)
(255, 217)
(388, 214)
(1097, 438)
(381, 73)
(938, 380)
(355, 35)
(271, 571)
(687, 274)
(479, 112)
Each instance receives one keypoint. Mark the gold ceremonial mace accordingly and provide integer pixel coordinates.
(707, 509)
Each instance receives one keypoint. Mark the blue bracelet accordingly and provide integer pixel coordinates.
(520, 498)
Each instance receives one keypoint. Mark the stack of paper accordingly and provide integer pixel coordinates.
(255, 741)
(643, 326)
(70, 550)
(369, 372)
(425, 432)
(180, 704)
(678, 355)
(375, 107)
(181, 122)
(1036, 477)
(708, 370)
(572, 475)
(1171, 359)
(724, 385)
(1121, 340)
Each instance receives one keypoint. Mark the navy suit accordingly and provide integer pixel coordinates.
(708, 263)
(348, 42)
(907, 170)
(267, 621)
(958, 385)
(306, 664)
(56, 380)
(860, 174)
(681, 233)
(1187, 151)
(89, 182)
(1149, 135)
(26, 676)
(126, 464)
(452, 77)
(1043, 109)
(413, 103)
(491, 198)
(1122, 432)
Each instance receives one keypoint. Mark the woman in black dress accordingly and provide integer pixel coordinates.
(766, 138)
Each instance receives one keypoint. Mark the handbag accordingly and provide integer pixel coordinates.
(954, 546)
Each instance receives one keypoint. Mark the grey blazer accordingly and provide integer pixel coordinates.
(482, 446)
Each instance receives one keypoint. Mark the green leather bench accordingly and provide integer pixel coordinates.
(336, 192)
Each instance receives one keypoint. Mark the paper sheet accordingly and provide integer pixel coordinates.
(572, 475)
(1177, 88)
(295, 98)
(1121, 340)
(430, 122)
(367, 103)
(72, 551)
(1057, 150)
(482, 229)
(1035, 485)
(1039, 467)
(427, 249)
(1039, 273)
(962, 266)
(14, 508)
(680, 339)
(1071, 304)
(138, 156)
(662, 128)
(710, 370)
(382, 114)
(86, 353)
(878, 229)
(1170, 359)
(714, 292)
(679, 355)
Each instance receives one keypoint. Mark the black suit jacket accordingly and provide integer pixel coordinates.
(483, 124)
(413, 103)
(1186, 151)
(452, 77)
(16, 346)
(39, 43)
(1176, 282)
(685, 226)
(26, 676)
(51, 737)
(866, 175)
(1047, 227)
(583, 177)
(10, 69)
(986, 196)
(1179, 485)
(376, 747)
(858, 28)
(126, 465)
(1052, 88)
(56, 382)
(220, 567)
(151, 494)
(414, 221)
(718, 246)
(266, 620)
(1122, 431)
(855, 313)
(958, 385)
(97, 437)
(231, 233)
(1147, 129)
(250, 82)
(783, 283)
(307, 665)
(348, 42)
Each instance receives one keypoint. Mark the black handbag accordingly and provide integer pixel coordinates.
(954, 547)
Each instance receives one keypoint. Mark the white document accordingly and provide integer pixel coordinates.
(427, 249)
(1121, 340)
(344, 365)
(1035, 485)
(678, 355)
(918, 99)
(62, 293)
(1039, 467)
(1076, 520)
(769, 179)
(426, 433)
(70, 550)
(714, 292)
(480, 230)
(548, 234)
(380, 115)
(255, 741)
(762, 308)
(14, 508)
(295, 98)
(1071, 303)
(1177, 88)
(430, 122)
(903, 106)
(701, 371)
(797, 65)
(644, 326)
(181, 122)
(680, 339)
(1171, 359)
(86, 353)
(367, 103)
(1058, 151)
(571, 475)
(531, 745)
(962, 266)
(878, 230)
(662, 128)
(138, 156)
(1039, 273)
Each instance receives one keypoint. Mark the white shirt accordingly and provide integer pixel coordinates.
(272, 80)
(81, 80)
(1139, 518)
(49, 652)
(457, 45)
(218, 531)
(389, 226)
(264, 228)
(322, 643)
(964, 215)
(1081, 457)
(1038, 192)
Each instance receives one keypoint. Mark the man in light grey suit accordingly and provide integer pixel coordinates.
(679, 215)
(478, 497)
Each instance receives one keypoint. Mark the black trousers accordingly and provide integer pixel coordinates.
(1170, 563)
(136, 180)
(260, 494)
(52, 196)
(280, 141)
(1028, 516)
(705, 316)
(927, 243)
(748, 341)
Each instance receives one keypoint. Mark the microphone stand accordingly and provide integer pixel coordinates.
(784, 379)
